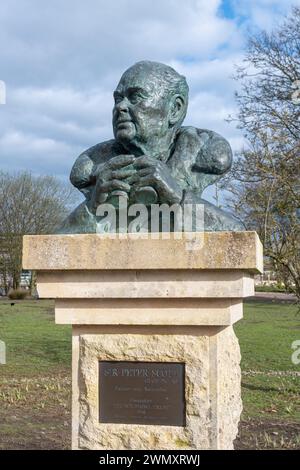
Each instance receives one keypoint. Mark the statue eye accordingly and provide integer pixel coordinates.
(136, 96)
(118, 97)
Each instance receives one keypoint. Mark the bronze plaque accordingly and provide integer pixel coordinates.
(142, 393)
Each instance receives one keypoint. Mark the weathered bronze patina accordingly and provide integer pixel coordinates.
(142, 393)
(152, 158)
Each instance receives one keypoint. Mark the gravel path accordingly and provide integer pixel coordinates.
(274, 296)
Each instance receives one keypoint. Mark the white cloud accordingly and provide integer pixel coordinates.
(82, 42)
(62, 60)
(262, 14)
(40, 155)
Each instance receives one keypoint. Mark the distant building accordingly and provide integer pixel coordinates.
(268, 278)
(25, 279)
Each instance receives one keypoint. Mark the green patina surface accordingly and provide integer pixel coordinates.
(151, 160)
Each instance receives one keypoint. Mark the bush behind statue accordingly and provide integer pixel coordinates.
(17, 294)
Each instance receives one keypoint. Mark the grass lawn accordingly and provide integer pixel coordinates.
(270, 381)
(35, 345)
(35, 384)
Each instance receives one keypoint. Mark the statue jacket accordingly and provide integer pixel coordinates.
(198, 159)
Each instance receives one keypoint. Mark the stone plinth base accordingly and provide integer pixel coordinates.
(158, 301)
(212, 385)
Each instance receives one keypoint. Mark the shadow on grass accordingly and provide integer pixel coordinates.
(260, 387)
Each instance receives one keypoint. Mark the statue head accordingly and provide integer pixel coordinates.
(151, 102)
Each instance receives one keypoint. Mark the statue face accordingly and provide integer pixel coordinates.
(141, 108)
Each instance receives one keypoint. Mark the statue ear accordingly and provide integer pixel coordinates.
(176, 109)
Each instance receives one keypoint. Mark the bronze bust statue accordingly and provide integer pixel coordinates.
(152, 159)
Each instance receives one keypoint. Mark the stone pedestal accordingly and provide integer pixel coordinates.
(135, 299)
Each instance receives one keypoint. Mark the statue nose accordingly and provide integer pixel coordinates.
(122, 106)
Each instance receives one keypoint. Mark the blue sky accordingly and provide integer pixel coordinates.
(61, 60)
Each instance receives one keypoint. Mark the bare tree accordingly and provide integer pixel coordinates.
(265, 179)
(28, 205)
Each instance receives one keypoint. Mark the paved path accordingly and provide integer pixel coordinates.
(274, 296)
